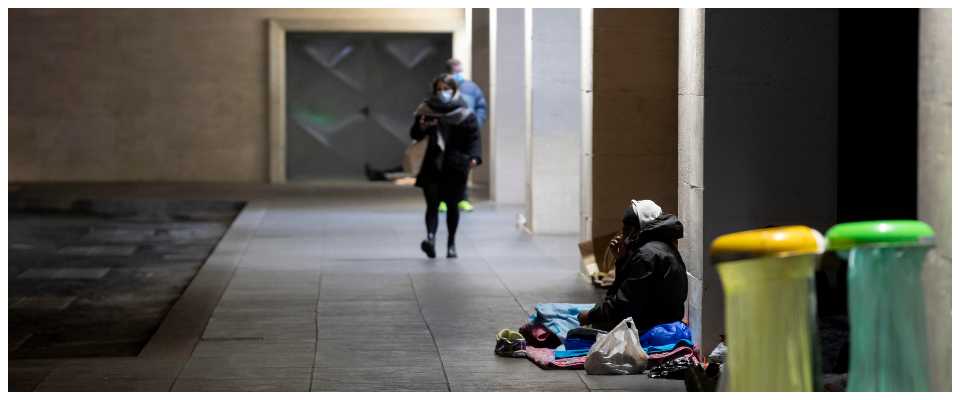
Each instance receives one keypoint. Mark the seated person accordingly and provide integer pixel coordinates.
(651, 280)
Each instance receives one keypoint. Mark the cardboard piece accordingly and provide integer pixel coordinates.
(591, 255)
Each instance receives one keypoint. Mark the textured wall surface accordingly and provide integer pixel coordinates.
(508, 109)
(769, 129)
(934, 182)
(554, 136)
(634, 112)
(690, 157)
(147, 95)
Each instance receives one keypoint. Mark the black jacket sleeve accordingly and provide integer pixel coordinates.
(629, 292)
(416, 133)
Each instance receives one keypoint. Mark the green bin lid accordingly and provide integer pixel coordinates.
(852, 234)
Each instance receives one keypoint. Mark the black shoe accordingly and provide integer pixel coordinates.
(427, 247)
(451, 251)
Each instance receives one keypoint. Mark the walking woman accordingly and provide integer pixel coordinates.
(454, 148)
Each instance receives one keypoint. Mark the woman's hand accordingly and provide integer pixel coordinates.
(426, 123)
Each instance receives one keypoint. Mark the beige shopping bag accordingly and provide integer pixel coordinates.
(413, 156)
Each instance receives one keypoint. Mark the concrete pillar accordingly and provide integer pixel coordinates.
(634, 145)
(480, 74)
(690, 157)
(933, 195)
(554, 120)
(586, 123)
(508, 107)
(769, 129)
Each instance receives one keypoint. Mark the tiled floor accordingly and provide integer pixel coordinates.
(329, 292)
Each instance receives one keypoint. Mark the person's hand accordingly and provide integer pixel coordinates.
(426, 123)
(473, 163)
(616, 243)
(582, 317)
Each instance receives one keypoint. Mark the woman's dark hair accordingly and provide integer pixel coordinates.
(446, 79)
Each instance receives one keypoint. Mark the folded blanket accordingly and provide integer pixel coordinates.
(545, 358)
(667, 347)
(558, 354)
(558, 317)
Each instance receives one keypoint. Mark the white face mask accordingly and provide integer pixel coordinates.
(446, 95)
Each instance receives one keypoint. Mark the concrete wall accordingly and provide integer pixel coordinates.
(508, 116)
(634, 145)
(554, 120)
(690, 157)
(934, 182)
(769, 128)
(148, 95)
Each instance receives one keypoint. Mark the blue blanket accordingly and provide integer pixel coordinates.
(558, 317)
(570, 353)
(664, 337)
(667, 347)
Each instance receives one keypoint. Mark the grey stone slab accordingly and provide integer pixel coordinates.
(226, 348)
(107, 385)
(364, 379)
(332, 349)
(300, 330)
(43, 302)
(38, 273)
(98, 250)
(248, 361)
(114, 369)
(81, 273)
(512, 383)
(26, 375)
(368, 308)
(241, 385)
(631, 383)
(243, 370)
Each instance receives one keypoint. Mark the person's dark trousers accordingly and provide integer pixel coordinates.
(451, 194)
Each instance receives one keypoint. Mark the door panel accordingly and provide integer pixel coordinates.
(351, 96)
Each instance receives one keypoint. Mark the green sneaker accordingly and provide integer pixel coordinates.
(443, 207)
(465, 206)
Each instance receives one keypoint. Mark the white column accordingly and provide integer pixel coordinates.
(554, 97)
(508, 110)
(586, 124)
(933, 200)
(690, 157)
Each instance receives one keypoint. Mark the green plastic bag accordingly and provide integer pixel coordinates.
(888, 338)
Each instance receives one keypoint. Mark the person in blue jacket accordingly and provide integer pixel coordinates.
(477, 103)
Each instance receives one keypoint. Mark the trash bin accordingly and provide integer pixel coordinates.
(767, 277)
(888, 335)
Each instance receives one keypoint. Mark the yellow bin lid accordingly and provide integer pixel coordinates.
(768, 242)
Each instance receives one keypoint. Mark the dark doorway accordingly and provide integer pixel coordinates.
(351, 96)
(877, 166)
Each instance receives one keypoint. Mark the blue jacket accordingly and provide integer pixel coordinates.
(473, 95)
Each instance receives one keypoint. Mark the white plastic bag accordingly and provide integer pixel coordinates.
(618, 352)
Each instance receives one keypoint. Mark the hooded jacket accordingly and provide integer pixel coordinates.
(454, 141)
(651, 279)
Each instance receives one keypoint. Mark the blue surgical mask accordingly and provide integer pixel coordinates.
(458, 77)
(446, 95)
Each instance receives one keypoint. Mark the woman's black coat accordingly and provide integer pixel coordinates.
(462, 143)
